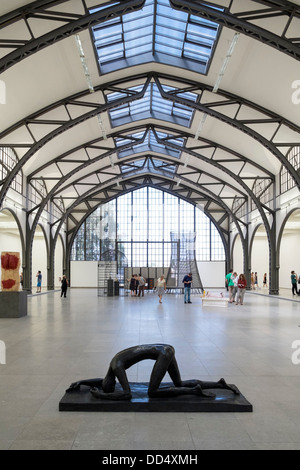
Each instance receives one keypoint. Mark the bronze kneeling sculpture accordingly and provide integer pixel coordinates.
(165, 362)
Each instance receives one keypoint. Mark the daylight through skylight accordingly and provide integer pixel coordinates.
(152, 104)
(155, 33)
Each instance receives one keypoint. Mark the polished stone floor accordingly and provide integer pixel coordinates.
(62, 340)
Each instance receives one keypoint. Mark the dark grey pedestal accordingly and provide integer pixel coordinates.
(13, 304)
(225, 401)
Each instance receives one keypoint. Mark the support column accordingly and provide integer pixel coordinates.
(273, 265)
(51, 261)
(27, 263)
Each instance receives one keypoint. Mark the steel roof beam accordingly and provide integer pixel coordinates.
(72, 27)
(233, 21)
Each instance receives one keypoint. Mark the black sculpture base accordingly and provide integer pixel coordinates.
(13, 304)
(225, 401)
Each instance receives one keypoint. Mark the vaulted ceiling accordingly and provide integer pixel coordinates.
(195, 98)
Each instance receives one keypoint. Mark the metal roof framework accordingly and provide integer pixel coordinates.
(204, 170)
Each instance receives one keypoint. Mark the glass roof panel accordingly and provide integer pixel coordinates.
(156, 33)
(151, 105)
(149, 144)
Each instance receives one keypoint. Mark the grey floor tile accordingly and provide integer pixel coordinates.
(61, 342)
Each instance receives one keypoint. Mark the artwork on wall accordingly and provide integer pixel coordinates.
(10, 265)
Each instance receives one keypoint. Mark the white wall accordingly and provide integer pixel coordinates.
(39, 261)
(260, 257)
(238, 256)
(289, 258)
(58, 266)
(212, 274)
(84, 274)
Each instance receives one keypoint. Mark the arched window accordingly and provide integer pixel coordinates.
(286, 181)
(139, 225)
(8, 160)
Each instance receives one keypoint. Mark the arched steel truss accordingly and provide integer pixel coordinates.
(207, 108)
(241, 21)
(73, 23)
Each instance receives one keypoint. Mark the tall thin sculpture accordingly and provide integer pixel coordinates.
(183, 260)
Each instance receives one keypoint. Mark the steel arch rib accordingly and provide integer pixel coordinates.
(211, 197)
(71, 28)
(233, 122)
(68, 125)
(229, 20)
(207, 160)
(223, 18)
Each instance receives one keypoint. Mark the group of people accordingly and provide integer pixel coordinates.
(254, 280)
(64, 284)
(236, 287)
(137, 285)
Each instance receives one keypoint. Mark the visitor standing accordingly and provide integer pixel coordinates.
(294, 282)
(255, 281)
(235, 279)
(265, 281)
(133, 286)
(229, 280)
(187, 282)
(64, 286)
(142, 283)
(161, 287)
(252, 280)
(39, 282)
(242, 284)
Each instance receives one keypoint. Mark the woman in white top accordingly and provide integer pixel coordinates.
(161, 287)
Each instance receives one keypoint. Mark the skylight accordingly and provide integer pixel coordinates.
(152, 104)
(149, 144)
(156, 33)
(148, 164)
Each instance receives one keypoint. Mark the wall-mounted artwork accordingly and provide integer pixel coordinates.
(10, 276)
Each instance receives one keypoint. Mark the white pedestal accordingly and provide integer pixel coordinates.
(214, 302)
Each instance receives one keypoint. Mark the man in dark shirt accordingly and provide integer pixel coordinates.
(187, 282)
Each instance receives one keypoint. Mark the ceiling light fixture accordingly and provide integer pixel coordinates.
(102, 126)
(219, 78)
(226, 61)
(84, 63)
(200, 127)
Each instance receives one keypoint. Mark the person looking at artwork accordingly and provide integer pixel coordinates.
(39, 282)
(187, 282)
